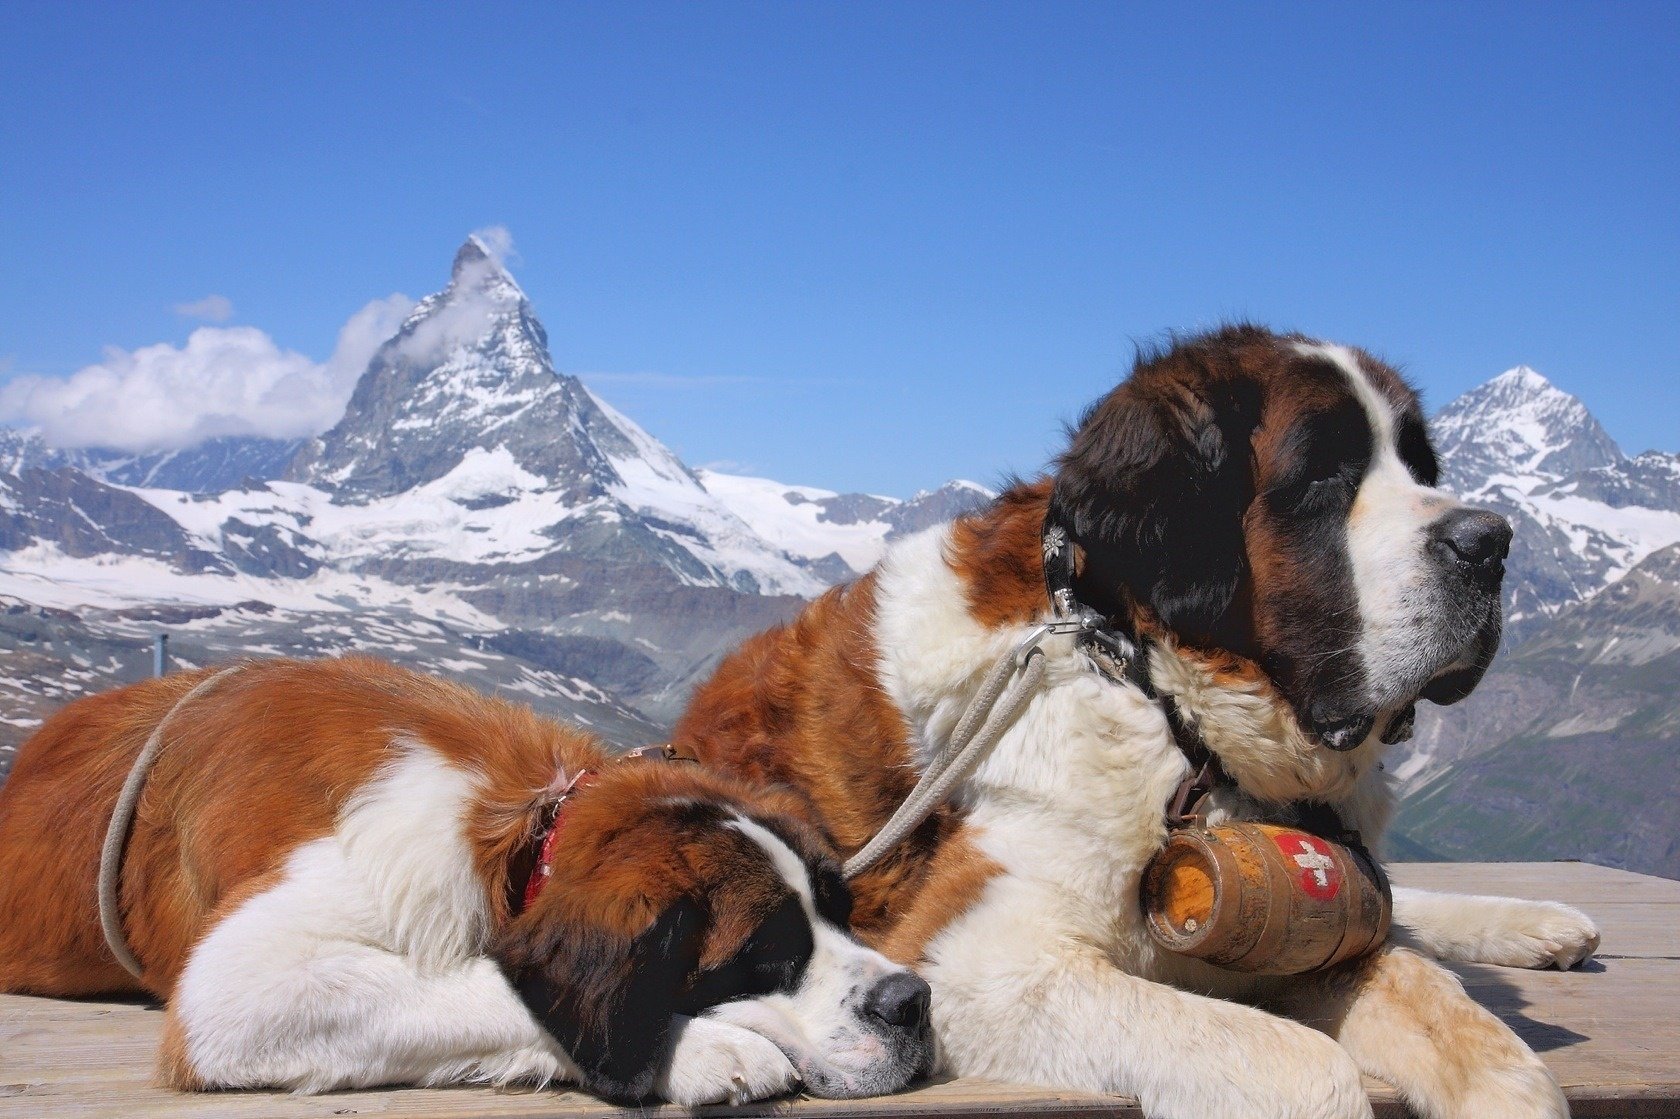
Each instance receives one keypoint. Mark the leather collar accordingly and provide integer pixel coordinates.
(538, 851)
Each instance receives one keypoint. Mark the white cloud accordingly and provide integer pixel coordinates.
(224, 381)
(498, 242)
(480, 291)
(212, 308)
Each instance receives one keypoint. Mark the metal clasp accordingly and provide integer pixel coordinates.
(1080, 624)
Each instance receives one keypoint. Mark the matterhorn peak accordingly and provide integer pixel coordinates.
(1522, 376)
(472, 251)
(479, 267)
(469, 369)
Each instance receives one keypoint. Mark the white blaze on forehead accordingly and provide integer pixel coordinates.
(835, 948)
(789, 865)
(1377, 407)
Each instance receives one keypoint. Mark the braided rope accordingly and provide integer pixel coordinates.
(988, 715)
(122, 819)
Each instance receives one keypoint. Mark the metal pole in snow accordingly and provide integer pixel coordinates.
(160, 654)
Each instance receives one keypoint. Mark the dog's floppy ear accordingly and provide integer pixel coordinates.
(1154, 488)
(607, 998)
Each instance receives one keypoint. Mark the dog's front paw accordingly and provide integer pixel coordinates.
(713, 1062)
(1545, 934)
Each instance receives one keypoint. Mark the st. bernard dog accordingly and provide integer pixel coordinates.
(1259, 514)
(338, 877)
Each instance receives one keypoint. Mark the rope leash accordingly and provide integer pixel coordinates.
(1004, 694)
(122, 819)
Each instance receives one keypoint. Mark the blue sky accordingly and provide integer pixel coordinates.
(865, 247)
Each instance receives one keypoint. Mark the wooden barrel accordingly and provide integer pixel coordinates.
(1265, 898)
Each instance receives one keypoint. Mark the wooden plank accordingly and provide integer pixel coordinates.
(1610, 1035)
(1579, 884)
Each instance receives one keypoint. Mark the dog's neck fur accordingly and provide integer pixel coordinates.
(1251, 730)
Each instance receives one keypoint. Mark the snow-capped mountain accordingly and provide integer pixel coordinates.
(464, 414)
(1584, 513)
(1515, 429)
(1568, 747)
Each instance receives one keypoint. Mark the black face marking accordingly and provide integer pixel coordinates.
(772, 959)
(1314, 627)
(1415, 450)
(1328, 453)
(833, 896)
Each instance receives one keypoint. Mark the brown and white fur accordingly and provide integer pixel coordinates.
(324, 881)
(1263, 509)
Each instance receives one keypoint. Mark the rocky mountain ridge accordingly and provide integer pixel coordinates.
(1571, 746)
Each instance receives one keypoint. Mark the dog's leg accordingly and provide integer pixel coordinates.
(715, 1062)
(289, 990)
(1471, 929)
(1408, 1021)
(354, 1017)
(1074, 1020)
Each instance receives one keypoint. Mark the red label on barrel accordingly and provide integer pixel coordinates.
(1320, 878)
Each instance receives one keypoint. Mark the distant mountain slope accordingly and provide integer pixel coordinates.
(67, 512)
(56, 654)
(1571, 748)
(211, 467)
(839, 535)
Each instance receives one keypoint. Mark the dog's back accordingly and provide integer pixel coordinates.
(263, 762)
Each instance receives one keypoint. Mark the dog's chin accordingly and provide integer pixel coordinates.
(1343, 735)
(1466, 666)
(1395, 724)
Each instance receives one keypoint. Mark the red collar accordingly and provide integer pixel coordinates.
(549, 835)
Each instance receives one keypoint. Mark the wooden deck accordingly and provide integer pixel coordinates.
(1610, 1032)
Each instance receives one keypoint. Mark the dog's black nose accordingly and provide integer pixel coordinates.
(1474, 537)
(901, 1000)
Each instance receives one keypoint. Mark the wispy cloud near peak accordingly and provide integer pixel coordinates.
(212, 308)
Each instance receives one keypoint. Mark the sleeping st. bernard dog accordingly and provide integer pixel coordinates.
(341, 874)
(1258, 515)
